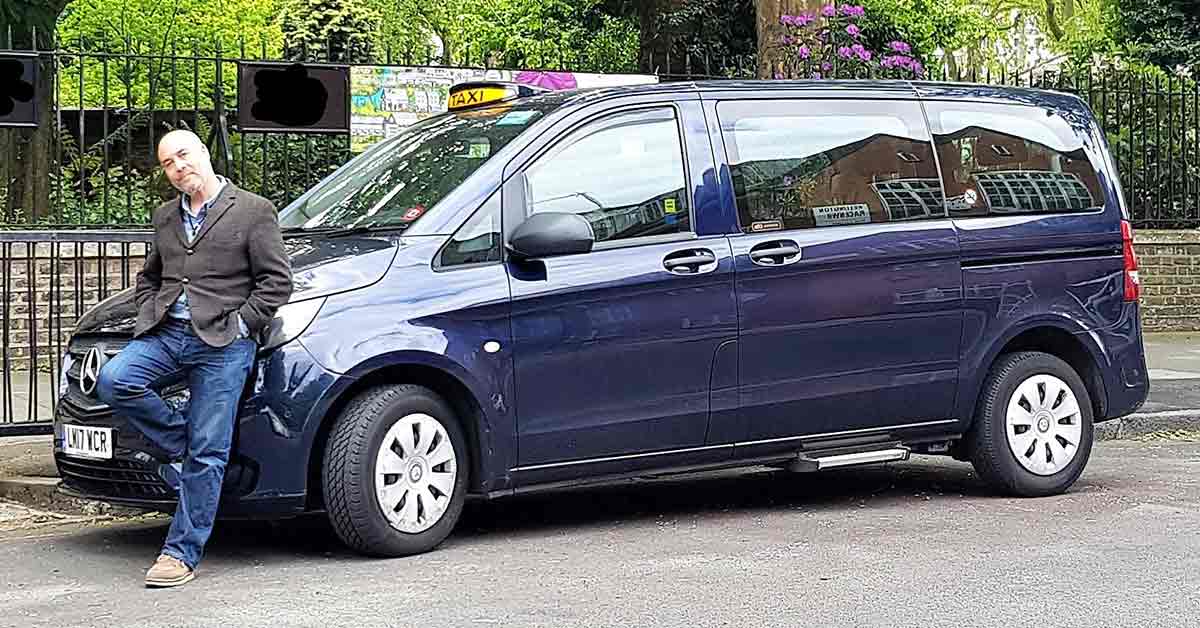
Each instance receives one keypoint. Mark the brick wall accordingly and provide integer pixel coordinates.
(46, 288)
(1170, 273)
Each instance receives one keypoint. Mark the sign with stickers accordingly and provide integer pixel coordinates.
(833, 215)
(386, 99)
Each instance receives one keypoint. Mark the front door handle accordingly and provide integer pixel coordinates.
(691, 261)
(775, 253)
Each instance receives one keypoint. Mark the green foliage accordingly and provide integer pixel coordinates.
(329, 30)
(515, 33)
(85, 192)
(710, 31)
(1163, 32)
(928, 25)
(169, 36)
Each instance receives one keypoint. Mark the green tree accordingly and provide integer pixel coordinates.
(1163, 32)
(341, 31)
(510, 33)
(165, 37)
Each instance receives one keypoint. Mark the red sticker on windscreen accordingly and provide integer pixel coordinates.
(414, 213)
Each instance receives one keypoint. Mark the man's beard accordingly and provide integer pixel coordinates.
(191, 185)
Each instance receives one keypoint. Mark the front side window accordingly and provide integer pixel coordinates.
(820, 163)
(1011, 159)
(478, 240)
(624, 174)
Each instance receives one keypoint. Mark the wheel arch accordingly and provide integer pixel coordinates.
(1054, 336)
(402, 369)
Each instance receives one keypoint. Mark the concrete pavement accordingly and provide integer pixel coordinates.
(919, 543)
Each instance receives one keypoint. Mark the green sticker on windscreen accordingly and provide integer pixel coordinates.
(516, 118)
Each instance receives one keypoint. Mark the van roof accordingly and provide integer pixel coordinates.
(831, 87)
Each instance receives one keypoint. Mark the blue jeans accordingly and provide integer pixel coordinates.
(201, 435)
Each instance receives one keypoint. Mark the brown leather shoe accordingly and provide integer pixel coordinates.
(168, 571)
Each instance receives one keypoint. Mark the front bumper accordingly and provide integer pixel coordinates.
(267, 472)
(131, 474)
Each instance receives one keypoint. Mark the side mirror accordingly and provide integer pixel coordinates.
(551, 233)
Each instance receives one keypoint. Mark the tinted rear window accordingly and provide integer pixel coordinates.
(1011, 159)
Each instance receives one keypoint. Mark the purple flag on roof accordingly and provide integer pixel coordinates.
(549, 80)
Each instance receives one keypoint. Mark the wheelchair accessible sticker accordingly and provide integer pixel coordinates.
(856, 214)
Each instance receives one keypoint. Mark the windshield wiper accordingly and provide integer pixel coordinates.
(361, 229)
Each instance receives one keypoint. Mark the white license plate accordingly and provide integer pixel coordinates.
(88, 442)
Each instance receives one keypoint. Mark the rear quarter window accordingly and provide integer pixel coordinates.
(1000, 159)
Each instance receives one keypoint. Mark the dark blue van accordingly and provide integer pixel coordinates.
(544, 289)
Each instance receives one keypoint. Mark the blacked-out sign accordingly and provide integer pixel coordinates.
(293, 97)
(18, 90)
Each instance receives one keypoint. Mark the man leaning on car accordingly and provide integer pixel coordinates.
(212, 281)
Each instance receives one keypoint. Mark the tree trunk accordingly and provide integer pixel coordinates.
(767, 14)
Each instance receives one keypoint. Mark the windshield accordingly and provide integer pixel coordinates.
(394, 183)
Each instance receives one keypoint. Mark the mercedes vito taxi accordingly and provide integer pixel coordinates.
(545, 289)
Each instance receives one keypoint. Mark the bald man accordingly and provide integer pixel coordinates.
(212, 281)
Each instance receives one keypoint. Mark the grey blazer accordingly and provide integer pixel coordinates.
(237, 264)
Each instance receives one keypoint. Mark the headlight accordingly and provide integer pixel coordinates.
(64, 381)
(290, 321)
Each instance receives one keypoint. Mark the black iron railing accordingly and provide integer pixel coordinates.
(48, 280)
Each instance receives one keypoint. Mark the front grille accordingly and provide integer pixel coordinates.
(79, 346)
(117, 479)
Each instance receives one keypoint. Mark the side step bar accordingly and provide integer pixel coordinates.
(804, 463)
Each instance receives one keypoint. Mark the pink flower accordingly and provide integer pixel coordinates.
(788, 40)
(845, 52)
(827, 67)
(862, 52)
(828, 10)
(804, 52)
(853, 30)
(900, 47)
(850, 10)
(803, 19)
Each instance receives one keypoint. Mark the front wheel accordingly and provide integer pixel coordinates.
(1033, 430)
(395, 472)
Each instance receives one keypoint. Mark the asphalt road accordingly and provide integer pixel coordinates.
(919, 543)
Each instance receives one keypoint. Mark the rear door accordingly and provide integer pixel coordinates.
(847, 270)
(614, 348)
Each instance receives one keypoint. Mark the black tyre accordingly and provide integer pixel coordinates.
(395, 472)
(1033, 428)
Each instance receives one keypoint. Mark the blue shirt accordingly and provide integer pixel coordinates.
(191, 227)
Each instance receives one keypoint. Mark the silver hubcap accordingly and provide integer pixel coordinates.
(1044, 424)
(415, 472)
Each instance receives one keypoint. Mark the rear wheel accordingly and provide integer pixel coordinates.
(395, 473)
(1033, 430)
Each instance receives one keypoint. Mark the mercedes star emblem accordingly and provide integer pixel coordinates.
(89, 371)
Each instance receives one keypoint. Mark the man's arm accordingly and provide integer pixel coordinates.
(271, 268)
(149, 278)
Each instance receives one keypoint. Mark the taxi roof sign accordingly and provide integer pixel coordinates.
(482, 93)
